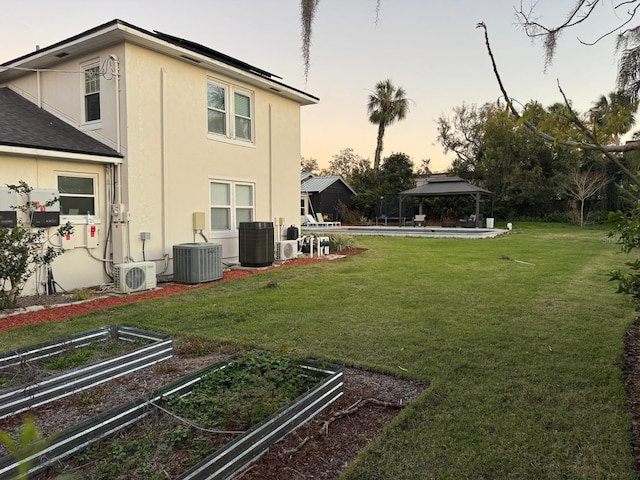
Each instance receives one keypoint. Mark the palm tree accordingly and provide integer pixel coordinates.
(386, 105)
(614, 116)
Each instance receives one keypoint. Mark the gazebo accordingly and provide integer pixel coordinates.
(444, 186)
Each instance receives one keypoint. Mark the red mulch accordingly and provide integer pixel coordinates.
(73, 310)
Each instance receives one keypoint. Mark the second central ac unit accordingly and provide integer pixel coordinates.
(286, 249)
(134, 277)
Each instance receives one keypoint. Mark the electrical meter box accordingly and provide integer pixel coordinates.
(46, 207)
(8, 204)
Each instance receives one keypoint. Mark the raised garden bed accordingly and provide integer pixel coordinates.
(229, 459)
(153, 347)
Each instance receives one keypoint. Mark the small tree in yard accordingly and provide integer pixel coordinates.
(23, 250)
(584, 184)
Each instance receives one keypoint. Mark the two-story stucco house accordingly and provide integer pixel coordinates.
(149, 141)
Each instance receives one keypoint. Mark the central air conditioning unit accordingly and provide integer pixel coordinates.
(134, 277)
(197, 262)
(286, 249)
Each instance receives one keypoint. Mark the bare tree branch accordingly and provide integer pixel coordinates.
(607, 150)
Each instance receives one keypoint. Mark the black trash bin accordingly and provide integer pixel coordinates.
(256, 244)
(293, 233)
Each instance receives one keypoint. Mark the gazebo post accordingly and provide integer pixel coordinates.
(477, 195)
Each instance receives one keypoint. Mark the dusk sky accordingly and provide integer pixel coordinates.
(431, 48)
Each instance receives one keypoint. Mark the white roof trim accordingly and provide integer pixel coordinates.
(57, 155)
(115, 33)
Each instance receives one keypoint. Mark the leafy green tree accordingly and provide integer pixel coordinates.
(524, 172)
(23, 250)
(462, 134)
(492, 149)
(396, 173)
(613, 116)
(385, 105)
(308, 165)
(369, 188)
(424, 168)
(345, 164)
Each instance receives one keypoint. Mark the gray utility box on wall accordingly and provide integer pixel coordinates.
(197, 262)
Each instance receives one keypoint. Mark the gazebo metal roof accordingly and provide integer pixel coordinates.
(444, 186)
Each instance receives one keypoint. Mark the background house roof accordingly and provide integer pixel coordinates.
(23, 124)
(442, 185)
(313, 184)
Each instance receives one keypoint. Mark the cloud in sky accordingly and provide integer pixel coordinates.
(429, 47)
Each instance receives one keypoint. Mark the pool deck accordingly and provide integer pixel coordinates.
(423, 232)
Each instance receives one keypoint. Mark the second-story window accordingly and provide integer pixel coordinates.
(242, 109)
(229, 112)
(217, 108)
(92, 94)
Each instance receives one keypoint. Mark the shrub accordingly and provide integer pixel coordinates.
(23, 250)
(339, 242)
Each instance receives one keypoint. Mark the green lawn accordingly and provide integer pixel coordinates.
(523, 358)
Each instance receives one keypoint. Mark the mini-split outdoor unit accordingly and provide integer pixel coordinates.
(134, 277)
(286, 249)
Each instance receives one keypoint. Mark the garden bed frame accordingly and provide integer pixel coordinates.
(24, 397)
(222, 464)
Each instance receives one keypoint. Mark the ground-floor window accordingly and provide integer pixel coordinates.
(77, 194)
(231, 202)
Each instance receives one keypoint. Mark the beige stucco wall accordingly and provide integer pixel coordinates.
(78, 266)
(171, 158)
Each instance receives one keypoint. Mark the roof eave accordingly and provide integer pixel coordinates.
(52, 154)
(116, 32)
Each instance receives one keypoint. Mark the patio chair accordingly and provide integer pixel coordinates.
(312, 222)
(418, 219)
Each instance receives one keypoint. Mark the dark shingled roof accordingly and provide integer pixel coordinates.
(23, 124)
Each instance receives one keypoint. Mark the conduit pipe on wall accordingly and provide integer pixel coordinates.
(163, 158)
(116, 74)
(39, 86)
(270, 165)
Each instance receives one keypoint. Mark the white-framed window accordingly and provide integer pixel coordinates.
(77, 194)
(91, 103)
(230, 111)
(242, 111)
(231, 202)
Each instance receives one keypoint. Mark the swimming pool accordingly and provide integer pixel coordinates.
(425, 232)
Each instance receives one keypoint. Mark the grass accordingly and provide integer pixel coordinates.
(523, 358)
